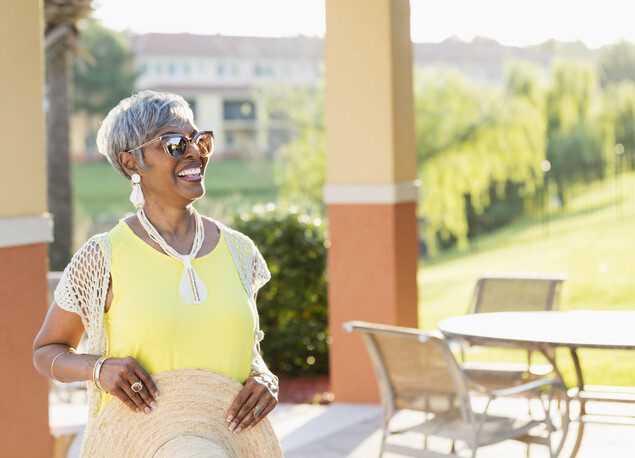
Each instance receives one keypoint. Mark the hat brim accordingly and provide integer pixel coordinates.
(193, 402)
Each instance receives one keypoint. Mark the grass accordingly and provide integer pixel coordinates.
(588, 243)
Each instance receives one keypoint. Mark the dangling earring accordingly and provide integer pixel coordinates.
(136, 196)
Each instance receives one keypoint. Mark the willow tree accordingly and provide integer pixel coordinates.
(575, 133)
(524, 79)
(617, 63)
(619, 105)
(618, 117)
(471, 139)
(61, 17)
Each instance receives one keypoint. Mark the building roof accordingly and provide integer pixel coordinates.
(227, 46)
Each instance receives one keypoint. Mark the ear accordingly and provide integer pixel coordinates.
(128, 163)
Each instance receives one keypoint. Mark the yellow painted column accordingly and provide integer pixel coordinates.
(25, 230)
(371, 189)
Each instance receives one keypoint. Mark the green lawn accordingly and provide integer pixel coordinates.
(591, 246)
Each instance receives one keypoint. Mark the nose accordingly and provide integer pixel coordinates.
(192, 150)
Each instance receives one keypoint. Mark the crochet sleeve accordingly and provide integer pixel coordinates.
(81, 286)
(261, 274)
(259, 369)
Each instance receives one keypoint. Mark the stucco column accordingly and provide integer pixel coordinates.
(371, 189)
(25, 231)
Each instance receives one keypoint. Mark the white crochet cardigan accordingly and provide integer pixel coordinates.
(84, 285)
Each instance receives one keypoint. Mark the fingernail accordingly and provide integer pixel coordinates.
(230, 418)
(237, 430)
(232, 426)
(153, 404)
(147, 409)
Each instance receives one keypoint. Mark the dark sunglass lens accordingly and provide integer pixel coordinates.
(205, 144)
(175, 146)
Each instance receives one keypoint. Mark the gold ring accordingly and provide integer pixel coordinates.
(136, 387)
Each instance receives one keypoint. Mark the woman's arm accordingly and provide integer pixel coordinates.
(63, 330)
(82, 296)
(78, 298)
(260, 393)
(60, 331)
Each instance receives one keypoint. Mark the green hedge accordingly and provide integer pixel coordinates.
(293, 304)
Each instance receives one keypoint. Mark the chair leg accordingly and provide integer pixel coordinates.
(62, 444)
(383, 443)
(385, 434)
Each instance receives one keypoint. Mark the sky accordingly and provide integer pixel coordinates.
(595, 23)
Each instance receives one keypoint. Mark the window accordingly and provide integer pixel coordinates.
(239, 110)
(262, 70)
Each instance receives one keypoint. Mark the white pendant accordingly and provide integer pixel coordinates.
(191, 289)
(136, 196)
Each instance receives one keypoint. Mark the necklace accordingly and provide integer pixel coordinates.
(191, 289)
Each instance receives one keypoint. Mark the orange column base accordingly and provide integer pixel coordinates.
(24, 405)
(372, 271)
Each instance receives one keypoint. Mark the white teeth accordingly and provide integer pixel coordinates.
(192, 171)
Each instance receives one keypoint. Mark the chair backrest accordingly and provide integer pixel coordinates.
(415, 369)
(521, 293)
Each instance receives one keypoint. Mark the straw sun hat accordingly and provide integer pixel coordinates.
(190, 421)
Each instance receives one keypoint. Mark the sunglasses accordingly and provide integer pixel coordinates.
(175, 145)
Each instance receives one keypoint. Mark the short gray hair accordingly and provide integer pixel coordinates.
(137, 117)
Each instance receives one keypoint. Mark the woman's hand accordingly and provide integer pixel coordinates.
(241, 413)
(117, 376)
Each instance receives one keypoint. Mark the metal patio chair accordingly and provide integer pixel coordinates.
(512, 293)
(416, 370)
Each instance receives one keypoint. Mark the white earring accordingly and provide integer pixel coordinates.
(136, 196)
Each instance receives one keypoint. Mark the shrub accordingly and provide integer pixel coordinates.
(293, 305)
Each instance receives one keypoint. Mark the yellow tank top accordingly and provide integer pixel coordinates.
(148, 320)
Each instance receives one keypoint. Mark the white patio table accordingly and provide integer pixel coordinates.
(614, 330)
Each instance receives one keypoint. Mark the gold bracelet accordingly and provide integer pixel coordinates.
(68, 350)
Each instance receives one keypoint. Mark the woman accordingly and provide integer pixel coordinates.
(165, 288)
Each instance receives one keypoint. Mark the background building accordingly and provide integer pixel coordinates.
(220, 77)
(225, 79)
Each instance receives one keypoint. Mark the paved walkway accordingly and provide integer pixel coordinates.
(354, 430)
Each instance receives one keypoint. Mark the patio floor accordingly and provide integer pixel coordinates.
(354, 430)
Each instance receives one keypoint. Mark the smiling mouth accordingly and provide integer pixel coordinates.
(191, 174)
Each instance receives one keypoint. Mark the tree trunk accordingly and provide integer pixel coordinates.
(58, 155)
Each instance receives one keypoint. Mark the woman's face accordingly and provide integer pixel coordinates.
(164, 180)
